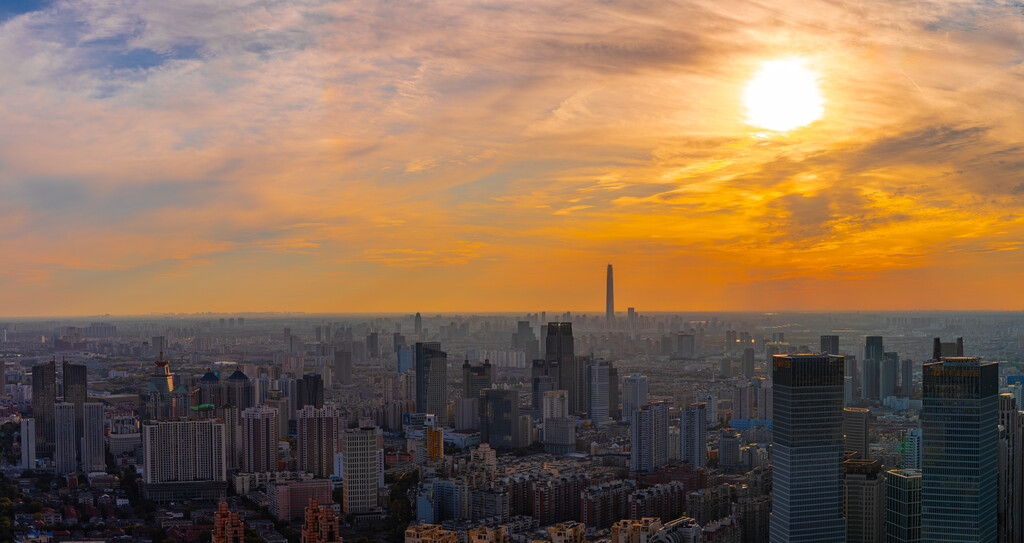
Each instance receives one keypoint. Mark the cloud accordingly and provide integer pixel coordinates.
(460, 149)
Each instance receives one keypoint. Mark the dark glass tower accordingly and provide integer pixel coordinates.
(830, 344)
(874, 352)
(44, 401)
(560, 348)
(499, 417)
(807, 449)
(75, 386)
(960, 450)
(432, 380)
(610, 301)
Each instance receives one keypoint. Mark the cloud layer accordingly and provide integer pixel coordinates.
(388, 156)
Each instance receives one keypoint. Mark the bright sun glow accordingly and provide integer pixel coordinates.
(783, 95)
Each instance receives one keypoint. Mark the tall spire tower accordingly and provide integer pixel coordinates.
(610, 301)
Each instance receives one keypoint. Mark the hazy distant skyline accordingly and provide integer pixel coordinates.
(372, 157)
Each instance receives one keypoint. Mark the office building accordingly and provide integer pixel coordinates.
(1009, 469)
(240, 391)
(693, 431)
(889, 373)
(417, 325)
(561, 349)
(960, 450)
(865, 501)
(649, 433)
(431, 380)
(499, 418)
(320, 524)
(343, 367)
(475, 379)
(65, 458)
(614, 395)
(610, 301)
(747, 363)
(874, 353)
(75, 391)
(807, 449)
(941, 350)
(309, 391)
(260, 436)
(853, 373)
(903, 506)
(598, 398)
(906, 378)
(227, 527)
(44, 401)
(288, 499)
(634, 394)
(184, 460)
(855, 431)
(28, 443)
(211, 391)
(93, 451)
(360, 447)
(830, 345)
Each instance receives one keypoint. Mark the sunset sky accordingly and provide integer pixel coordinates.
(362, 156)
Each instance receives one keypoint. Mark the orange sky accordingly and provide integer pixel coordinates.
(495, 156)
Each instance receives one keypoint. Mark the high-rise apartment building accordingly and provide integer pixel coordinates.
(865, 501)
(28, 443)
(634, 394)
(693, 431)
(93, 452)
(431, 380)
(317, 440)
(65, 457)
(903, 506)
(649, 433)
(360, 448)
(830, 345)
(960, 450)
(855, 431)
(44, 401)
(184, 460)
(910, 449)
(807, 449)
(260, 435)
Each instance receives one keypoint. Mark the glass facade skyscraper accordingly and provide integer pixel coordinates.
(960, 450)
(807, 449)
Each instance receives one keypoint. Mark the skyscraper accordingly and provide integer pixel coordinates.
(807, 449)
(431, 380)
(343, 367)
(614, 395)
(864, 501)
(1009, 469)
(499, 418)
(747, 363)
(889, 375)
(830, 344)
(184, 460)
(417, 325)
(260, 428)
(610, 301)
(93, 452)
(561, 348)
(906, 378)
(475, 379)
(317, 441)
(855, 431)
(65, 458)
(649, 432)
(634, 394)
(75, 390)
(693, 430)
(309, 391)
(903, 506)
(874, 352)
(44, 401)
(960, 450)
(240, 391)
(28, 443)
(597, 399)
(359, 461)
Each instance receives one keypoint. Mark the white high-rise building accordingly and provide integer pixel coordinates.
(93, 453)
(649, 432)
(634, 394)
(360, 459)
(65, 457)
(694, 434)
(184, 451)
(28, 443)
(259, 438)
(556, 404)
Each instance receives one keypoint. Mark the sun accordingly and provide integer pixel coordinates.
(783, 95)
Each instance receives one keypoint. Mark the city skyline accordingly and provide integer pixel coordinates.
(287, 156)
